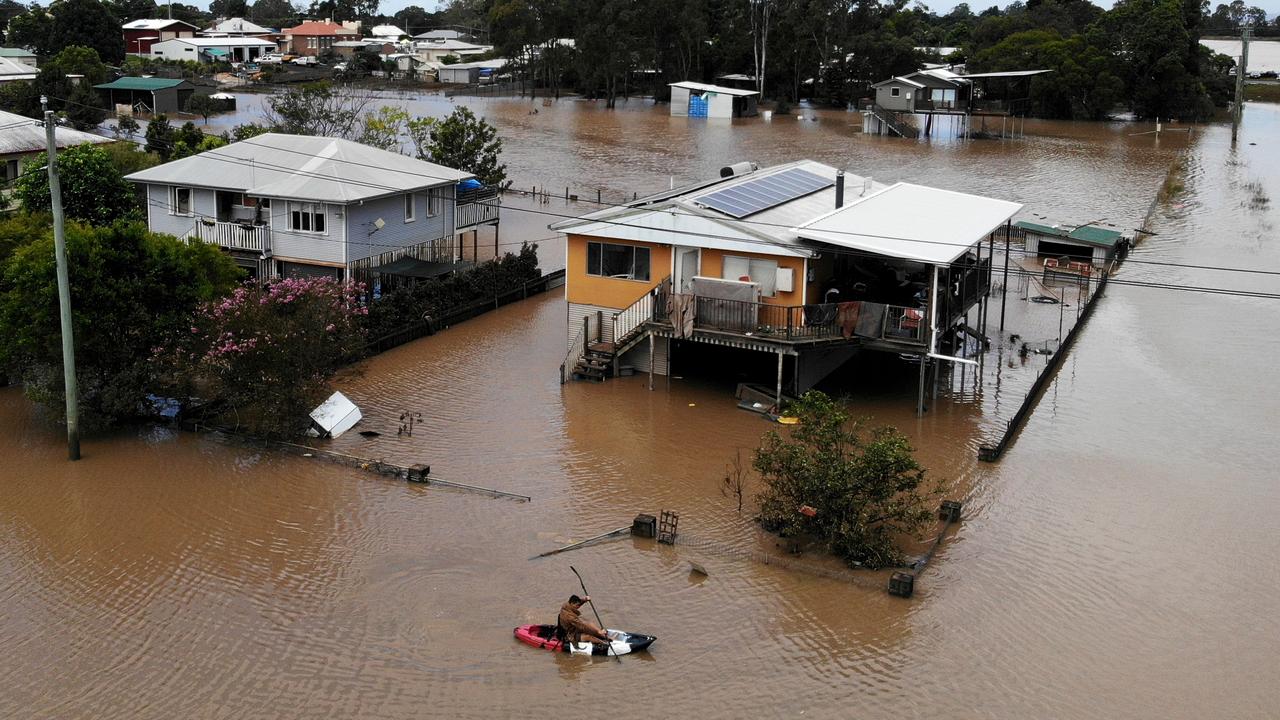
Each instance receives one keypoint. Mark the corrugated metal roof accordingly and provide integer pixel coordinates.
(1007, 74)
(303, 168)
(1087, 234)
(703, 87)
(15, 53)
(319, 28)
(238, 25)
(11, 69)
(207, 42)
(912, 222)
(140, 83)
(898, 79)
(26, 135)
(155, 24)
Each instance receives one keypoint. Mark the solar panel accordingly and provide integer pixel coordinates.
(763, 193)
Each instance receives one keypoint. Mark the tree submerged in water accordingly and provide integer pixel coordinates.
(856, 491)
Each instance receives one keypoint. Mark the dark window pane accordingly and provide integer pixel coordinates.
(593, 258)
(319, 222)
(615, 261)
(295, 220)
(642, 264)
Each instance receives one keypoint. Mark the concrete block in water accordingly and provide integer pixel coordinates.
(419, 473)
(950, 510)
(902, 584)
(645, 526)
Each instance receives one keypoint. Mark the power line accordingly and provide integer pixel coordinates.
(838, 251)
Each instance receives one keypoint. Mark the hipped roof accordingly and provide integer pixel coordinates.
(300, 167)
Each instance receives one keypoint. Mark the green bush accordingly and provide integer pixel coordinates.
(407, 306)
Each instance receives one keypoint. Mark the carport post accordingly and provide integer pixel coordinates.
(1004, 290)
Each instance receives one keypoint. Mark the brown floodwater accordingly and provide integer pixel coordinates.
(1116, 562)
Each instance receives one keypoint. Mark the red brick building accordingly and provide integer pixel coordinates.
(313, 38)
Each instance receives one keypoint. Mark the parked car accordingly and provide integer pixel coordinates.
(271, 58)
(340, 67)
(305, 60)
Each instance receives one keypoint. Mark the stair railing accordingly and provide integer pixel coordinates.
(577, 348)
(628, 322)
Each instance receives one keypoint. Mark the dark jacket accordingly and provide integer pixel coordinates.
(573, 626)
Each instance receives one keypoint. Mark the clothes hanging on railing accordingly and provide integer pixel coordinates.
(680, 312)
(847, 317)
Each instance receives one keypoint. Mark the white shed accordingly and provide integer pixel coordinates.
(695, 99)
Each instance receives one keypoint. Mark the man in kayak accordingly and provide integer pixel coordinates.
(573, 627)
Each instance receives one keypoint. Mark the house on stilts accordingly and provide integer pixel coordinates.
(800, 261)
(916, 105)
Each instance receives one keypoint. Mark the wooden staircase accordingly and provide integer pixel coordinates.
(593, 357)
(893, 121)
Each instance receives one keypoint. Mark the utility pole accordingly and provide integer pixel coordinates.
(64, 292)
(1237, 112)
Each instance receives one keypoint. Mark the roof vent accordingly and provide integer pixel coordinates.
(736, 169)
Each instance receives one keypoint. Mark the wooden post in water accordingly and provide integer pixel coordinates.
(651, 349)
(1237, 111)
(1004, 291)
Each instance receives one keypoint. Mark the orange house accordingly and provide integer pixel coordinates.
(774, 260)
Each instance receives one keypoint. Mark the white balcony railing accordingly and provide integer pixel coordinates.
(233, 235)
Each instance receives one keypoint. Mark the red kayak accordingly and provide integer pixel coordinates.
(544, 636)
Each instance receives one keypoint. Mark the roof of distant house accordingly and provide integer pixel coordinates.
(438, 35)
(312, 27)
(319, 169)
(703, 87)
(387, 31)
(451, 45)
(141, 83)
(155, 24)
(225, 41)
(1087, 234)
(15, 52)
(26, 135)
(11, 69)
(239, 26)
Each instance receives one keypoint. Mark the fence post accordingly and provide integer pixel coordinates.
(789, 321)
(586, 334)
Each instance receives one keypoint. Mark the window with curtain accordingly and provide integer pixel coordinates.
(180, 200)
(761, 272)
(409, 210)
(625, 262)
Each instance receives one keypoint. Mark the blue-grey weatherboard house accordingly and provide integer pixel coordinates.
(291, 205)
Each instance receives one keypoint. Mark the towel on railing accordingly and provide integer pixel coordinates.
(847, 317)
(680, 311)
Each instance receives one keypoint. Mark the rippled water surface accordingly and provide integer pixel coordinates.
(1114, 564)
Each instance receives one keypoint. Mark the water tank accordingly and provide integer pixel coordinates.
(741, 168)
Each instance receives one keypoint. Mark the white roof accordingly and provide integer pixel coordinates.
(301, 167)
(493, 64)
(912, 222)
(26, 135)
(387, 31)
(898, 79)
(690, 85)
(11, 69)
(152, 24)
(238, 25)
(451, 45)
(677, 225)
(217, 42)
(1007, 73)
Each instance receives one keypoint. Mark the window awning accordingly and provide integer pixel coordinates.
(216, 52)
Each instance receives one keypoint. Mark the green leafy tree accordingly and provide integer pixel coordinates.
(126, 127)
(248, 130)
(273, 13)
(229, 8)
(266, 352)
(20, 229)
(202, 105)
(382, 129)
(32, 30)
(160, 136)
(461, 141)
(21, 98)
(855, 491)
(130, 10)
(92, 188)
(128, 158)
(131, 292)
(190, 145)
(88, 23)
(318, 109)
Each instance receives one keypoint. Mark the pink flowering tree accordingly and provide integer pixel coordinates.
(265, 353)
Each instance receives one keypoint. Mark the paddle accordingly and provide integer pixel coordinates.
(609, 645)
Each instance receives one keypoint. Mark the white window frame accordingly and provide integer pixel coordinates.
(433, 203)
(634, 249)
(173, 201)
(766, 269)
(410, 208)
(895, 91)
(307, 209)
